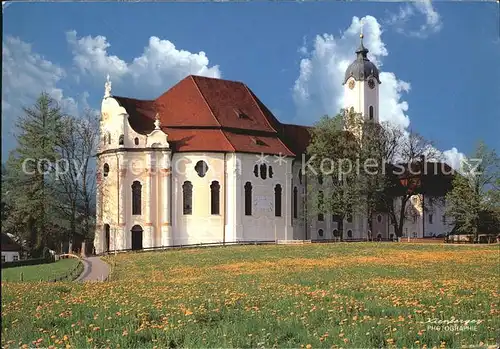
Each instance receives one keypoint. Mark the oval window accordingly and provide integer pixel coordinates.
(201, 168)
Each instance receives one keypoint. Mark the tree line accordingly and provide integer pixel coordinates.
(49, 179)
(398, 175)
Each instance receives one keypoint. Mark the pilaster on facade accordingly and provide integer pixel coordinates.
(288, 188)
(166, 235)
(98, 238)
(239, 197)
(231, 201)
(166, 220)
(148, 237)
(175, 208)
(122, 174)
(149, 200)
(118, 238)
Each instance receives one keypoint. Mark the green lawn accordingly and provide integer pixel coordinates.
(349, 295)
(40, 271)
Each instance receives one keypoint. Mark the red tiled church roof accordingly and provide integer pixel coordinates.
(207, 114)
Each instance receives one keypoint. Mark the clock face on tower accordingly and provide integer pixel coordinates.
(351, 84)
(371, 83)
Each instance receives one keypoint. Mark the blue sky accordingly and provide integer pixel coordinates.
(439, 61)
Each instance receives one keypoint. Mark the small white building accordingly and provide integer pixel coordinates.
(11, 251)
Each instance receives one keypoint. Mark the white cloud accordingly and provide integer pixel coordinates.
(160, 66)
(5, 4)
(401, 20)
(25, 75)
(318, 90)
(454, 158)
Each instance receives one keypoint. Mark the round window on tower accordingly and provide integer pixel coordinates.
(351, 84)
(371, 84)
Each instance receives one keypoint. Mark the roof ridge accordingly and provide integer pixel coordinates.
(204, 99)
(259, 108)
(277, 133)
(211, 111)
(209, 77)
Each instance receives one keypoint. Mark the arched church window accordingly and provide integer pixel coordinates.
(248, 199)
(214, 197)
(187, 198)
(349, 233)
(201, 168)
(136, 197)
(321, 216)
(295, 200)
(277, 200)
(271, 173)
(136, 141)
(300, 176)
(108, 136)
(105, 170)
(320, 232)
(106, 237)
(349, 217)
(256, 170)
(371, 112)
(121, 140)
(263, 171)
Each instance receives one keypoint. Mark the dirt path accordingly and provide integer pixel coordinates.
(94, 270)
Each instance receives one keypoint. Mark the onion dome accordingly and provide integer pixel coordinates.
(362, 68)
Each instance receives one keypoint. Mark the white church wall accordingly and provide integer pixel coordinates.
(201, 226)
(436, 222)
(262, 224)
(298, 221)
(380, 226)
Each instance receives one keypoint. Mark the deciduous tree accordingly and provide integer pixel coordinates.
(475, 192)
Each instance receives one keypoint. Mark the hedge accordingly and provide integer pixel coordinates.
(25, 262)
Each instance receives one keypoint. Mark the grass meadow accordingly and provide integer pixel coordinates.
(344, 295)
(39, 272)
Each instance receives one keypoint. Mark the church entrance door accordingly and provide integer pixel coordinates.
(136, 237)
(106, 232)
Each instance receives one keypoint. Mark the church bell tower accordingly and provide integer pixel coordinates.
(361, 85)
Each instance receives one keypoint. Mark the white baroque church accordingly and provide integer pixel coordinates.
(207, 162)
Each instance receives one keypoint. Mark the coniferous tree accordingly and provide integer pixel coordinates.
(30, 172)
